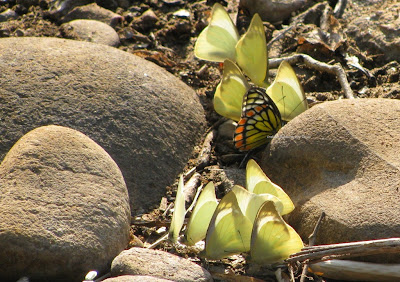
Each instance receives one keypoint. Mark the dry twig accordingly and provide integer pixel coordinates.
(205, 153)
(346, 250)
(311, 242)
(319, 66)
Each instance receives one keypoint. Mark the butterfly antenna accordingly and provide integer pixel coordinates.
(284, 104)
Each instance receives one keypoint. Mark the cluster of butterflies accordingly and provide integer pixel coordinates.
(244, 220)
(261, 109)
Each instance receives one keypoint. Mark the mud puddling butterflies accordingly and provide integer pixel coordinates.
(220, 40)
(259, 121)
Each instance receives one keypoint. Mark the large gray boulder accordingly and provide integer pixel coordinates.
(145, 118)
(64, 207)
(342, 158)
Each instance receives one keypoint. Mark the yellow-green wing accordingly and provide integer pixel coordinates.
(229, 94)
(201, 216)
(272, 239)
(249, 203)
(257, 182)
(268, 187)
(251, 52)
(178, 216)
(287, 93)
(218, 40)
(254, 175)
(229, 230)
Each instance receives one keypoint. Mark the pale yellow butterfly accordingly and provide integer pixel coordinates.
(287, 93)
(228, 232)
(200, 218)
(178, 216)
(218, 40)
(228, 97)
(257, 182)
(251, 53)
(272, 239)
(230, 228)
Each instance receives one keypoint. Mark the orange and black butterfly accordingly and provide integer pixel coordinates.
(260, 120)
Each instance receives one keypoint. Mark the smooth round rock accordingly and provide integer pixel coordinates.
(273, 10)
(64, 207)
(93, 11)
(135, 278)
(91, 31)
(342, 158)
(141, 261)
(144, 117)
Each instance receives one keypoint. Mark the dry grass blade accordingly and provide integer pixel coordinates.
(311, 242)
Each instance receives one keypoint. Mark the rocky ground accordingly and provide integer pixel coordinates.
(164, 32)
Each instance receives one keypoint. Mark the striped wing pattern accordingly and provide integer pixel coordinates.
(260, 120)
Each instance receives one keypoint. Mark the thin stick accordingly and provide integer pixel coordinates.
(292, 279)
(190, 187)
(339, 8)
(194, 200)
(347, 250)
(205, 153)
(311, 242)
(319, 66)
(313, 235)
(155, 244)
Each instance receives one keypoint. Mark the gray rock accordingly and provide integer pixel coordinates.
(140, 261)
(144, 117)
(93, 12)
(62, 7)
(135, 278)
(227, 129)
(8, 15)
(341, 158)
(91, 31)
(146, 21)
(64, 207)
(273, 10)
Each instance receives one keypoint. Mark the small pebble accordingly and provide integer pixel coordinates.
(182, 13)
(8, 15)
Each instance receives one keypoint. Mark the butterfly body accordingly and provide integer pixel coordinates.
(260, 120)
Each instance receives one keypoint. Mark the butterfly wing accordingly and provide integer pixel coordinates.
(178, 216)
(201, 215)
(257, 182)
(251, 52)
(218, 40)
(249, 203)
(259, 120)
(229, 94)
(254, 175)
(229, 230)
(287, 93)
(272, 239)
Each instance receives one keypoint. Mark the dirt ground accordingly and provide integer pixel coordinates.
(168, 41)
